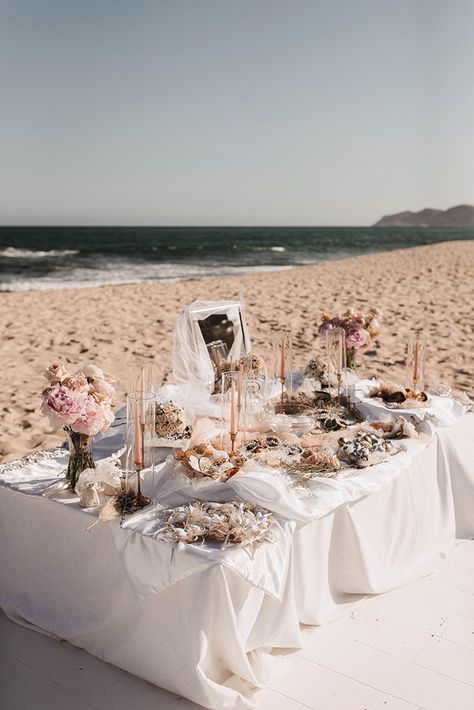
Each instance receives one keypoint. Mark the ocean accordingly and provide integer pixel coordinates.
(33, 258)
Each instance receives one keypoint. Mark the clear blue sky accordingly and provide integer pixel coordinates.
(260, 112)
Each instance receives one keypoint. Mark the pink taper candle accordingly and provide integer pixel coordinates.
(137, 440)
(233, 421)
(416, 363)
(283, 361)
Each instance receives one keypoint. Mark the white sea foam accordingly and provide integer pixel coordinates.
(277, 249)
(14, 253)
(126, 273)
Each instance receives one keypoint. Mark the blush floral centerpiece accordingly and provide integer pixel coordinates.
(361, 330)
(80, 403)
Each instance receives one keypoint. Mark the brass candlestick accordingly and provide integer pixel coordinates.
(140, 501)
(232, 442)
(283, 380)
(339, 380)
(142, 441)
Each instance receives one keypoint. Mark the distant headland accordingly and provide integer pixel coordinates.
(460, 216)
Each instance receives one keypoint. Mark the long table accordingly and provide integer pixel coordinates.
(205, 622)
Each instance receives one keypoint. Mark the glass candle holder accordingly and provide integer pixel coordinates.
(218, 352)
(336, 358)
(139, 441)
(415, 364)
(232, 410)
(283, 361)
(254, 402)
(144, 376)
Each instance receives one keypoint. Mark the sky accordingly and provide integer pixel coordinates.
(234, 112)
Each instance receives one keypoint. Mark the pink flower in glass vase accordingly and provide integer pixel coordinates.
(93, 418)
(356, 338)
(62, 406)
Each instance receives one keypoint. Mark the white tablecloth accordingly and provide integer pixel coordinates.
(201, 621)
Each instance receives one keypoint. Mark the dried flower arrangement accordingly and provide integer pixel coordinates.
(242, 524)
(316, 369)
(171, 421)
(252, 364)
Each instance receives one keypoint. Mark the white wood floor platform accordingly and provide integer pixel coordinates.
(408, 649)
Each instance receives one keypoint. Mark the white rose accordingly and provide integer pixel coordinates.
(55, 373)
(92, 371)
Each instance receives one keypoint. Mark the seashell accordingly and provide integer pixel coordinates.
(193, 461)
(272, 441)
(205, 464)
(396, 397)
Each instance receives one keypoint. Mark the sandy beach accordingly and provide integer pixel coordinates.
(429, 288)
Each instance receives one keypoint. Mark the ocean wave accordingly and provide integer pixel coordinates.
(277, 249)
(129, 273)
(14, 253)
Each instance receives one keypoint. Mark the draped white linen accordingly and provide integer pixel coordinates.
(201, 621)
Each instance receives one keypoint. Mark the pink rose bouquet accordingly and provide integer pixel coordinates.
(80, 402)
(361, 329)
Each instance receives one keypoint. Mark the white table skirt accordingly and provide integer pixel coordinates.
(209, 632)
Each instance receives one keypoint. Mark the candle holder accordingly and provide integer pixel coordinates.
(140, 433)
(231, 406)
(283, 362)
(254, 388)
(415, 363)
(144, 375)
(336, 358)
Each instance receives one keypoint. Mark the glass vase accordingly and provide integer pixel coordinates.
(415, 365)
(351, 358)
(80, 456)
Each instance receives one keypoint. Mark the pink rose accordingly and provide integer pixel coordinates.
(55, 373)
(62, 406)
(104, 388)
(356, 338)
(94, 418)
(373, 327)
(76, 382)
(324, 327)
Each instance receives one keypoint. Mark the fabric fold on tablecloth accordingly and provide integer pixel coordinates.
(153, 564)
(272, 489)
(209, 636)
